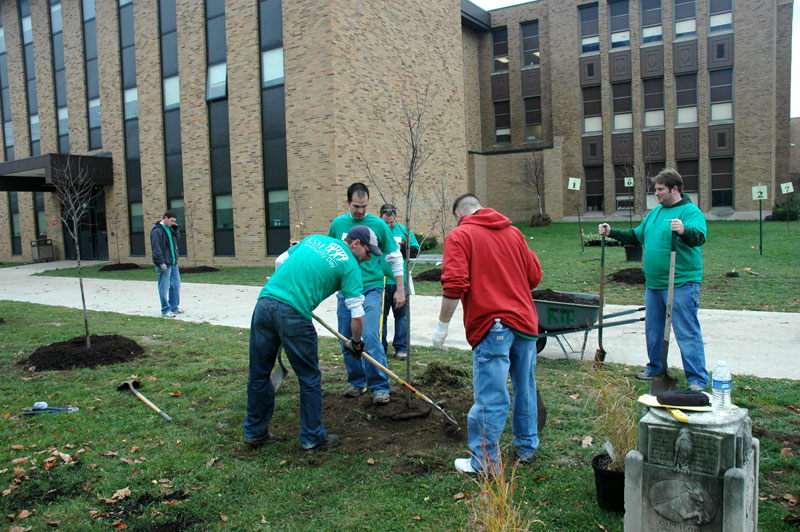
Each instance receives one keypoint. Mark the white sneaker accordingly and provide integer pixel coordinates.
(178, 311)
(464, 466)
(168, 315)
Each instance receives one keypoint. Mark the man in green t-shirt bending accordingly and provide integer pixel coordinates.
(304, 276)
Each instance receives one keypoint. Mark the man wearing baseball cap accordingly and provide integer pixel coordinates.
(360, 374)
(305, 275)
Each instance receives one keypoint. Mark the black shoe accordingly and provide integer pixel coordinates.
(332, 440)
(268, 440)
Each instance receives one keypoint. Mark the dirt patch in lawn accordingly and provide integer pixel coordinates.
(791, 439)
(72, 353)
(199, 269)
(628, 276)
(121, 267)
(432, 275)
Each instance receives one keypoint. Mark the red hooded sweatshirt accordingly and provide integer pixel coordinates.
(488, 265)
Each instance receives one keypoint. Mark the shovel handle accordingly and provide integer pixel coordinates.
(146, 401)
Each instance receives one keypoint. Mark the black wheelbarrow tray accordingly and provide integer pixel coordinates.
(558, 318)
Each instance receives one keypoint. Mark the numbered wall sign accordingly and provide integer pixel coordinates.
(760, 192)
(628, 182)
(574, 183)
(787, 188)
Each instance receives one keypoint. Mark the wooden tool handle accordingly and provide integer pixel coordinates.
(146, 401)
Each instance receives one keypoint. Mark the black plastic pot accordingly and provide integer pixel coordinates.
(609, 485)
(633, 253)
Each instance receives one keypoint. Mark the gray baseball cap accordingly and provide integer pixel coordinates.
(367, 237)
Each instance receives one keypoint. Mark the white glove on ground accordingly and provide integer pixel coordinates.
(440, 334)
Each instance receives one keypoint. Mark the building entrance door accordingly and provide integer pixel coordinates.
(92, 233)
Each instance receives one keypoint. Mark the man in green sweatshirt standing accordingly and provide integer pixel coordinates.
(675, 213)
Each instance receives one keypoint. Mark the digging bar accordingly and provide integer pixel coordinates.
(666, 382)
(600, 354)
(132, 385)
(390, 373)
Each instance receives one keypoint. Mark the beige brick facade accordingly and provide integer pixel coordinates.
(349, 68)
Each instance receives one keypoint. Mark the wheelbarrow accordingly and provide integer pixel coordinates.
(558, 318)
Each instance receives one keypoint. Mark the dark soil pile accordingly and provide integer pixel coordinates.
(199, 269)
(2, 319)
(432, 275)
(598, 243)
(119, 267)
(105, 350)
(628, 276)
(540, 220)
(561, 297)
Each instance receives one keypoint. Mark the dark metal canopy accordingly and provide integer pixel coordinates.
(35, 174)
(474, 17)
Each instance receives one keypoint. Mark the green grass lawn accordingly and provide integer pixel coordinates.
(197, 473)
(568, 267)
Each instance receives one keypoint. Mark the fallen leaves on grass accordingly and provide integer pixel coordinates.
(18, 447)
(787, 451)
(211, 461)
(793, 409)
(118, 495)
(575, 396)
(176, 393)
(791, 499)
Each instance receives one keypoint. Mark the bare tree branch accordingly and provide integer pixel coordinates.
(77, 192)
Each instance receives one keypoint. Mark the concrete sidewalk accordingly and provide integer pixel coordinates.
(763, 344)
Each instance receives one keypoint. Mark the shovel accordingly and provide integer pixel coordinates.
(278, 373)
(665, 382)
(390, 373)
(132, 385)
(600, 354)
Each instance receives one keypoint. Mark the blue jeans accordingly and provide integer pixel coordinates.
(400, 341)
(361, 373)
(275, 324)
(685, 326)
(500, 353)
(169, 288)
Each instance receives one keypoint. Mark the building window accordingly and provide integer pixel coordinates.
(131, 103)
(217, 83)
(278, 203)
(623, 196)
(502, 122)
(721, 94)
(172, 93)
(59, 75)
(623, 109)
(530, 44)
(689, 173)
(500, 50)
(592, 110)
(720, 15)
(533, 118)
(685, 18)
(590, 29)
(40, 219)
(686, 99)
(653, 102)
(651, 21)
(5, 98)
(722, 182)
(92, 79)
(272, 67)
(29, 71)
(13, 215)
(619, 24)
(594, 188)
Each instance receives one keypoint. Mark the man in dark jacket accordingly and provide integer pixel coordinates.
(164, 238)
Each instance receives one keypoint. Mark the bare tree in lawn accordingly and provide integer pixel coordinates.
(188, 215)
(76, 191)
(534, 178)
(113, 221)
(412, 134)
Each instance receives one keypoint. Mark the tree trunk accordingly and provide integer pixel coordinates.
(80, 281)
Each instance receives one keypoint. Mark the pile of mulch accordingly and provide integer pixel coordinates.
(541, 220)
(199, 269)
(432, 275)
(123, 266)
(597, 243)
(560, 297)
(72, 353)
(628, 276)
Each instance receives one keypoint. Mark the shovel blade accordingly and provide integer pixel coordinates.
(278, 373)
(663, 383)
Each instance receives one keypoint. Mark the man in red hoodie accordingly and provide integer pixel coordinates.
(489, 267)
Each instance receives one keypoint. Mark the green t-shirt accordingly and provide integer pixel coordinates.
(656, 235)
(399, 232)
(316, 268)
(371, 270)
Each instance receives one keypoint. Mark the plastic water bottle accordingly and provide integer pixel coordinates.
(721, 384)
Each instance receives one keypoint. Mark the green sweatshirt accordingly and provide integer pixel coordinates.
(316, 268)
(371, 270)
(655, 234)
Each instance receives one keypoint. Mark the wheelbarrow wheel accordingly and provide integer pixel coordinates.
(540, 343)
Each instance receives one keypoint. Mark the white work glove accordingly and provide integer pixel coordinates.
(439, 335)
(163, 267)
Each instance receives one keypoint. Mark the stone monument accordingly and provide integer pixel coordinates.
(698, 476)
